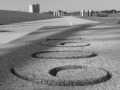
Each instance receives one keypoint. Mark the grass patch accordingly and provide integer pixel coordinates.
(8, 17)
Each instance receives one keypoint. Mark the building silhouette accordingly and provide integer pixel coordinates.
(34, 8)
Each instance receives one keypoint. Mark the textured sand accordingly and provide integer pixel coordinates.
(104, 44)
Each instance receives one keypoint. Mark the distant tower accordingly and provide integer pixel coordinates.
(83, 12)
(89, 12)
(34, 8)
(30, 9)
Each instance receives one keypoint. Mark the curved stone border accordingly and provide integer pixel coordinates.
(60, 82)
(88, 55)
(63, 44)
(55, 70)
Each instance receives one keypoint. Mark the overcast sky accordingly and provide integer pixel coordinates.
(61, 4)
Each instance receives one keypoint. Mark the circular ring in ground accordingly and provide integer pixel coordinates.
(92, 75)
(65, 44)
(63, 54)
(48, 39)
(74, 44)
(63, 82)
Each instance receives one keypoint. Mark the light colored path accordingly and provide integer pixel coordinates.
(21, 29)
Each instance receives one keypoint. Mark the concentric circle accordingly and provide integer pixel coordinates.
(73, 44)
(65, 44)
(85, 75)
(63, 54)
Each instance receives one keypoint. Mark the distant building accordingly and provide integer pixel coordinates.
(58, 13)
(34, 8)
(86, 12)
(89, 12)
(30, 9)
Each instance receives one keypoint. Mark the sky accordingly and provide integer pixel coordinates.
(69, 5)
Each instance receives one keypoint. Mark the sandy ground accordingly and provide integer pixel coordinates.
(24, 60)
